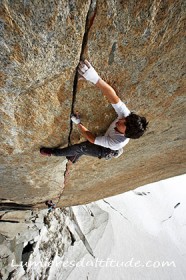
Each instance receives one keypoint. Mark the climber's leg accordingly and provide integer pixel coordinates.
(74, 152)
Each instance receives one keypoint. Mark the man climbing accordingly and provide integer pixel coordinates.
(127, 125)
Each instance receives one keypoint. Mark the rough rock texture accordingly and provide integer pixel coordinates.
(40, 48)
(136, 46)
(40, 242)
(17, 229)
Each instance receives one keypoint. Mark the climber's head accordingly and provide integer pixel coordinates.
(135, 126)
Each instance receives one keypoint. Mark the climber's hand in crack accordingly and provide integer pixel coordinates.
(75, 118)
(88, 72)
(86, 133)
(127, 125)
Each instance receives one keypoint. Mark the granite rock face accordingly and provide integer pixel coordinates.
(18, 229)
(40, 48)
(136, 46)
(38, 243)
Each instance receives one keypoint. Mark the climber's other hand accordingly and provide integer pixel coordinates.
(75, 119)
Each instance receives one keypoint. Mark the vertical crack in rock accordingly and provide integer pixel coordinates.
(89, 21)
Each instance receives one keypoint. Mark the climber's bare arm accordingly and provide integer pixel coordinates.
(86, 133)
(108, 91)
(88, 72)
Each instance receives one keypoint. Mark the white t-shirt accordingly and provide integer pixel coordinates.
(112, 138)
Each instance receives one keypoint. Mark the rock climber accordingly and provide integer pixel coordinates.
(127, 125)
(51, 205)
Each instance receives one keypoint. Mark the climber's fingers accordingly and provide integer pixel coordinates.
(82, 67)
(86, 70)
(80, 72)
(80, 78)
(87, 63)
(81, 64)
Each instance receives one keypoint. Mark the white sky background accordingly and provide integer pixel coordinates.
(148, 228)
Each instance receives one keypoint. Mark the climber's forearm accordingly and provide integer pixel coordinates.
(86, 133)
(87, 71)
(108, 91)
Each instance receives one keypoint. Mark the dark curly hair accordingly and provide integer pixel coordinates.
(135, 126)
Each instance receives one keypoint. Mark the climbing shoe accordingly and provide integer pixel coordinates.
(46, 151)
